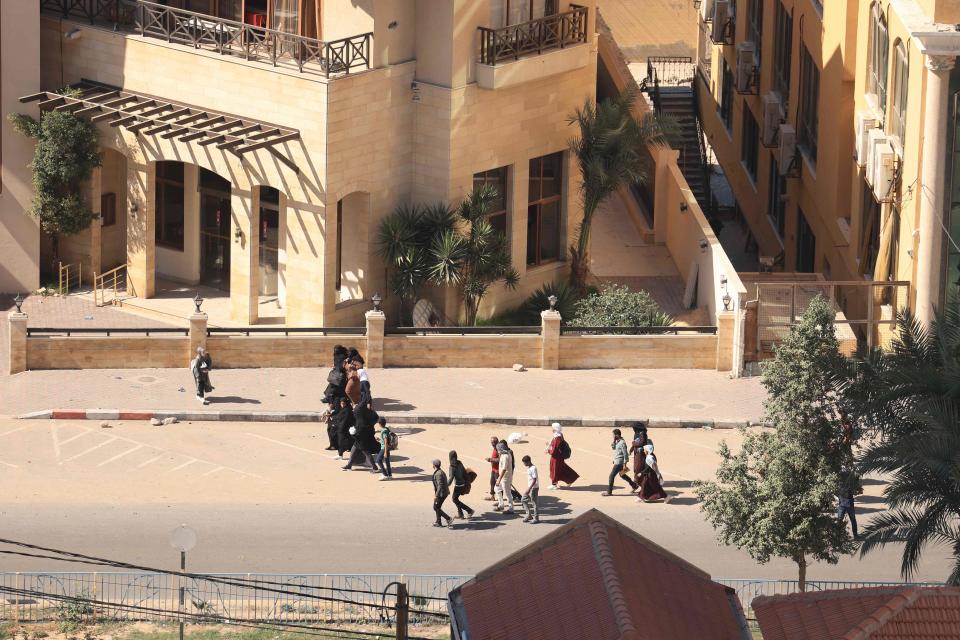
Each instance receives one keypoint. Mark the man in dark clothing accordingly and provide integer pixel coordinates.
(847, 507)
(620, 459)
(440, 493)
(458, 478)
(364, 439)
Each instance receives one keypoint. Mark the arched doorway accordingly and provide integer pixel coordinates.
(214, 230)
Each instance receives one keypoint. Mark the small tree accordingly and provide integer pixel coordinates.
(611, 152)
(474, 255)
(65, 156)
(616, 306)
(775, 496)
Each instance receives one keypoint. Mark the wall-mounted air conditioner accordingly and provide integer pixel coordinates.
(875, 138)
(865, 123)
(772, 117)
(746, 64)
(706, 10)
(884, 165)
(787, 150)
(721, 12)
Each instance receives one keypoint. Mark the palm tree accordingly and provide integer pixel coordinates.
(474, 255)
(911, 400)
(611, 151)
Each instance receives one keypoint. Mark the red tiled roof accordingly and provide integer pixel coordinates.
(880, 613)
(596, 579)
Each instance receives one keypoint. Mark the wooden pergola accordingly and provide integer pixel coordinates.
(150, 116)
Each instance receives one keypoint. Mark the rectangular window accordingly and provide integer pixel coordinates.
(879, 58)
(750, 143)
(496, 178)
(726, 95)
(901, 80)
(776, 204)
(782, 53)
(108, 209)
(869, 230)
(339, 244)
(808, 120)
(543, 210)
(755, 27)
(806, 245)
(169, 205)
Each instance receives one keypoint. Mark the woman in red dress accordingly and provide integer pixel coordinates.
(560, 471)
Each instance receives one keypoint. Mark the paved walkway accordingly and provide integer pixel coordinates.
(601, 394)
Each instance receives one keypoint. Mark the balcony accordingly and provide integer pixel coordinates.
(530, 50)
(220, 35)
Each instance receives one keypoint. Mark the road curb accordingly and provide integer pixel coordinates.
(393, 417)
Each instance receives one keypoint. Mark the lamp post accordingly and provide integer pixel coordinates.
(183, 538)
(197, 301)
(376, 299)
(552, 299)
(18, 301)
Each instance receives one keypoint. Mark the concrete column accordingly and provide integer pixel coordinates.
(191, 220)
(725, 340)
(663, 157)
(244, 255)
(932, 179)
(375, 326)
(550, 335)
(198, 332)
(519, 178)
(141, 229)
(17, 342)
(96, 236)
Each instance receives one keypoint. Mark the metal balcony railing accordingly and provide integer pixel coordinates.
(536, 36)
(226, 37)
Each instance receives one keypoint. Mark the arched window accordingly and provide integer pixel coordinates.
(879, 58)
(901, 81)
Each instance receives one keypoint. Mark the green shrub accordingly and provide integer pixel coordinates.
(617, 306)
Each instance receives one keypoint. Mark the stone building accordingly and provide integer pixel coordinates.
(255, 145)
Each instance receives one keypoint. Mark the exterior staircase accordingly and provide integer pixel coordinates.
(679, 104)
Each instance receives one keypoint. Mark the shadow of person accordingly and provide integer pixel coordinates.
(231, 400)
(389, 404)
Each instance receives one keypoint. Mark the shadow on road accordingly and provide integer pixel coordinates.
(389, 404)
(231, 400)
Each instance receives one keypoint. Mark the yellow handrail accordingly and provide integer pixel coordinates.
(65, 277)
(108, 280)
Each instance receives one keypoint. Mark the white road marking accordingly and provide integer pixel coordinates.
(185, 464)
(285, 444)
(213, 471)
(143, 464)
(72, 438)
(702, 446)
(6, 433)
(433, 446)
(8, 464)
(120, 455)
(92, 449)
(56, 441)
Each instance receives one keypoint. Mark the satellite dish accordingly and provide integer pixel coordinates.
(183, 538)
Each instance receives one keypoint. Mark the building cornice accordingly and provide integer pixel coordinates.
(932, 39)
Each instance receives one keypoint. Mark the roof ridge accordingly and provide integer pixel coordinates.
(882, 614)
(611, 580)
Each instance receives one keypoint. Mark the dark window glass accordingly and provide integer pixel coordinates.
(755, 27)
(809, 122)
(901, 81)
(776, 205)
(783, 51)
(806, 245)
(108, 209)
(168, 201)
(750, 143)
(496, 178)
(726, 95)
(879, 58)
(544, 211)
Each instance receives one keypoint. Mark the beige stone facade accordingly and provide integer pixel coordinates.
(413, 128)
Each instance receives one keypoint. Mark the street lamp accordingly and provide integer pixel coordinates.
(18, 301)
(376, 299)
(197, 300)
(183, 538)
(552, 299)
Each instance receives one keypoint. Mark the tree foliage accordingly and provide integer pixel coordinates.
(909, 398)
(611, 151)
(438, 245)
(66, 154)
(616, 306)
(774, 498)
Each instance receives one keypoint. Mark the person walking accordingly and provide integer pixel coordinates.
(440, 493)
(559, 451)
(458, 478)
(620, 457)
(343, 423)
(364, 441)
(494, 461)
(532, 494)
(651, 480)
(636, 450)
(504, 479)
(846, 506)
(383, 458)
(200, 368)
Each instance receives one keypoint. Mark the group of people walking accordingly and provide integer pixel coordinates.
(647, 479)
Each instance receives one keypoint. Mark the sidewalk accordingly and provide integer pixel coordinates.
(661, 394)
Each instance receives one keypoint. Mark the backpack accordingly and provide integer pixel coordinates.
(565, 451)
(336, 377)
(394, 441)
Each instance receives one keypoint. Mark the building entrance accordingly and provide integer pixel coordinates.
(214, 230)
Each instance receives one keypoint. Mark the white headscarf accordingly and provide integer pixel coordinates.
(557, 428)
(648, 449)
(364, 377)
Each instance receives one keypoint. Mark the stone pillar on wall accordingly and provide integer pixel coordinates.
(244, 255)
(198, 332)
(933, 176)
(550, 336)
(141, 229)
(17, 342)
(96, 236)
(375, 329)
(663, 156)
(517, 217)
(725, 340)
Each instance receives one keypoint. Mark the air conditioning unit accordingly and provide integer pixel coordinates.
(746, 63)
(706, 10)
(721, 11)
(787, 150)
(875, 138)
(884, 164)
(865, 123)
(772, 117)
